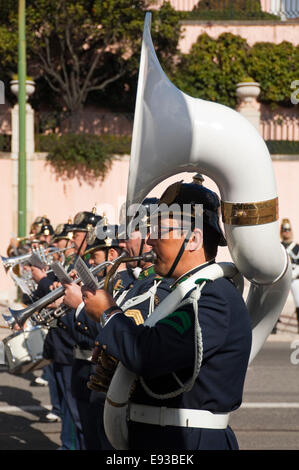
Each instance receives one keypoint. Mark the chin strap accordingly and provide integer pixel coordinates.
(140, 251)
(181, 251)
(78, 252)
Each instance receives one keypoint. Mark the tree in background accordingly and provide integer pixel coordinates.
(275, 67)
(230, 10)
(8, 43)
(213, 67)
(238, 5)
(84, 47)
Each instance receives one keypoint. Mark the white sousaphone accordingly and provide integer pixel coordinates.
(176, 133)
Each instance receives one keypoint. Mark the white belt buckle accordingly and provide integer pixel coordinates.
(162, 416)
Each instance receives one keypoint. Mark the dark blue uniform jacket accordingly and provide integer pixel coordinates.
(58, 345)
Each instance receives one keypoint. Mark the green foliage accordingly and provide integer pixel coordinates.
(283, 147)
(238, 5)
(165, 32)
(5, 143)
(230, 10)
(213, 67)
(85, 156)
(275, 67)
(8, 57)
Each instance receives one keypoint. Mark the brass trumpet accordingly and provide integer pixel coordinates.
(150, 256)
(9, 262)
(21, 316)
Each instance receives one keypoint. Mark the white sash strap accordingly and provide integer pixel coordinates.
(138, 299)
(163, 416)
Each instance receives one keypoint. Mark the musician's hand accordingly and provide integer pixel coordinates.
(55, 285)
(73, 274)
(96, 302)
(38, 274)
(56, 303)
(73, 295)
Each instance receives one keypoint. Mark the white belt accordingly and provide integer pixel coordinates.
(163, 416)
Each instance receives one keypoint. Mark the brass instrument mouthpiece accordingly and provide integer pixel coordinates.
(149, 257)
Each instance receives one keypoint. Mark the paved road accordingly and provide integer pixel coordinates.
(269, 416)
(22, 415)
(267, 420)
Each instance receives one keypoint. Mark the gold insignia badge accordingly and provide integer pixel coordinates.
(108, 241)
(59, 229)
(118, 285)
(91, 236)
(79, 218)
(136, 315)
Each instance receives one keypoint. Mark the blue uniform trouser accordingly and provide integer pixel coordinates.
(97, 402)
(90, 406)
(48, 374)
(71, 435)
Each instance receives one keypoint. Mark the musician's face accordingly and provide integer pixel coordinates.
(132, 247)
(166, 239)
(97, 257)
(78, 238)
(286, 235)
(45, 238)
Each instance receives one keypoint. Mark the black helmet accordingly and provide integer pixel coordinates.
(39, 222)
(141, 219)
(63, 231)
(285, 225)
(85, 221)
(146, 209)
(102, 236)
(45, 229)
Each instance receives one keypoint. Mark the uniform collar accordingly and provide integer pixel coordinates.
(190, 273)
(147, 272)
(286, 244)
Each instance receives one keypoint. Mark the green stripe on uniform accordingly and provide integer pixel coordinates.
(179, 320)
